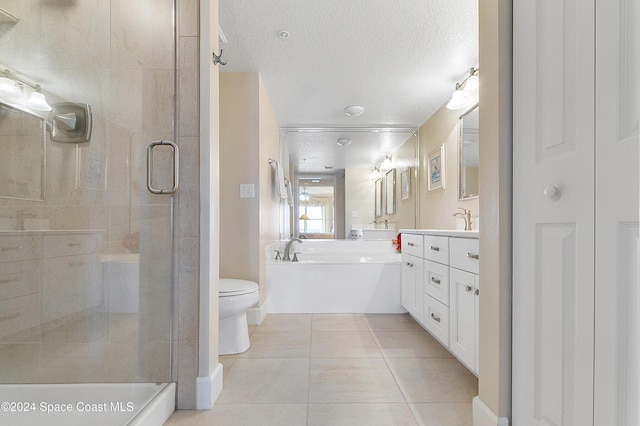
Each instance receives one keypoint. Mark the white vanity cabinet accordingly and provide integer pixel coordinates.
(412, 275)
(449, 284)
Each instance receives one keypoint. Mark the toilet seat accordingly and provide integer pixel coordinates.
(234, 287)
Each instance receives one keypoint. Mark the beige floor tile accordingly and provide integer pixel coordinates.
(284, 323)
(433, 379)
(343, 380)
(443, 414)
(227, 362)
(266, 381)
(184, 418)
(410, 344)
(255, 414)
(392, 322)
(278, 345)
(339, 322)
(344, 344)
(360, 414)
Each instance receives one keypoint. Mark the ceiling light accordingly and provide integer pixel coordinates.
(328, 167)
(353, 110)
(344, 141)
(283, 34)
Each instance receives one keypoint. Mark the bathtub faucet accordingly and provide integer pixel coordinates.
(287, 248)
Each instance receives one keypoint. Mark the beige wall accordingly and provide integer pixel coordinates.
(437, 207)
(249, 136)
(495, 204)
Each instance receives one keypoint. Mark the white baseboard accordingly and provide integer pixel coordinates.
(483, 416)
(256, 315)
(208, 389)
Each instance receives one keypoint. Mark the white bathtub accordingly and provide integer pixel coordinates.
(96, 404)
(335, 276)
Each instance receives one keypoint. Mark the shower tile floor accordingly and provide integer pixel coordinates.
(340, 369)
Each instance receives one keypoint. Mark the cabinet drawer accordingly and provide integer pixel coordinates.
(465, 254)
(19, 314)
(436, 248)
(436, 281)
(412, 244)
(18, 247)
(70, 244)
(436, 319)
(19, 279)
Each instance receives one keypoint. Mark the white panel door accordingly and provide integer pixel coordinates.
(617, 282)
(553, 213)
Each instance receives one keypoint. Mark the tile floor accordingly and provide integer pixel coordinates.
(340, 369)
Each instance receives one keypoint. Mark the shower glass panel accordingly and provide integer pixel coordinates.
(85, 248)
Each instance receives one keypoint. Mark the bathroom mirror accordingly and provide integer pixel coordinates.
(22, 163)
(390, 191)
(468, 153)
(349, 155)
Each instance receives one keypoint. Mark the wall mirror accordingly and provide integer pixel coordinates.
(22, 164)
(468, 153)
(349, 156)
(390, 191)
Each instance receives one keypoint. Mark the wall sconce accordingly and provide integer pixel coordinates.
(466, 93)
(386, 163)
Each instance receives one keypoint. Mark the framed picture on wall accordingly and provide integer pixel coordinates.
(405, 183)
(436, 170)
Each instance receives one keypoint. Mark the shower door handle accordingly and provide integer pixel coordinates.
(176, 160)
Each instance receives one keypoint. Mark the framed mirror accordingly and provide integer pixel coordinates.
(378, 197)
(390, 191)
(468, 154)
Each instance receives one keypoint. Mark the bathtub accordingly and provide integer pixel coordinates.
(96, 404)
(335, 276)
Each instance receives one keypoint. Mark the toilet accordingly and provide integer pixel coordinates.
(235, 297)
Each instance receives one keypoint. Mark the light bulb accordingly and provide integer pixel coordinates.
(38, 101)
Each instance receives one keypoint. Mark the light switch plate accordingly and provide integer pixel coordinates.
(247, 191)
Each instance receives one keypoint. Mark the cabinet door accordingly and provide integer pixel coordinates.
(462, 316)
(411, 288)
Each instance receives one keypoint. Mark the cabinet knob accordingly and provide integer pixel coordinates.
(552, 192)
(468, 288)
(477, 292)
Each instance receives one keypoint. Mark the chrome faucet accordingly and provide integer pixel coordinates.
(287, 248)
(467, 218)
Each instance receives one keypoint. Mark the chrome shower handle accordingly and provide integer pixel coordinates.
(176, 161)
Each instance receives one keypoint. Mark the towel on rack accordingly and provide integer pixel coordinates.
(287, 183)
(281, 189)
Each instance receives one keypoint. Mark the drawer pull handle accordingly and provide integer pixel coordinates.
(477, 292)
(76, 244)
(11, 280)
(434, 248)
(410, 265)
(435, 280)
(473, 256)
(410, 244)
(435, 317)
(3, 249)
(9, 317)
(468, 288)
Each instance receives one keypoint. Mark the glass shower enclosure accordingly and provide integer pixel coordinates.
(85, 245)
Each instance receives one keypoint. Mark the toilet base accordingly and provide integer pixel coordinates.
(234, 334)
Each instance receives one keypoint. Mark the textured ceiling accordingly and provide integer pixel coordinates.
(399, 59)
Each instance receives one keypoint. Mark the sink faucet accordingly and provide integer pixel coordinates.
(467, 218)
(287, 248)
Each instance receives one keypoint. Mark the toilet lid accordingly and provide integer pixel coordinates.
(233, 287)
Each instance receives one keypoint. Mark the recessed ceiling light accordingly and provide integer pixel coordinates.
(353, 110)
(343, 141)
(283, 34)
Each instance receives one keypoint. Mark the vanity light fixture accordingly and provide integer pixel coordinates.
(465, 94)
(353, 110)
(386, 163)
(22, 93)
(375, 173)
(37, 101)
